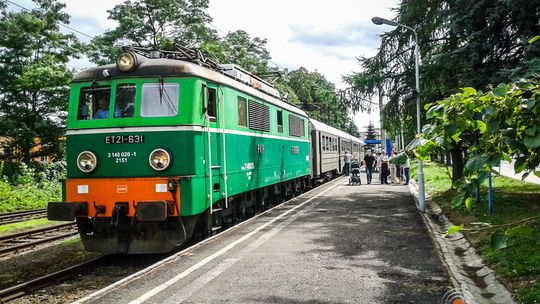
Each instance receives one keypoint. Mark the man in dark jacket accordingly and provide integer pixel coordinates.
(370, 162)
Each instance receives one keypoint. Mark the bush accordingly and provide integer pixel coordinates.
(31, 189)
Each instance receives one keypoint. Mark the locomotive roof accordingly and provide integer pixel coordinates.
(319, 126)
(171, 67)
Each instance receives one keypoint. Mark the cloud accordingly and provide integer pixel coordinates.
(360, 35)
(88, 25)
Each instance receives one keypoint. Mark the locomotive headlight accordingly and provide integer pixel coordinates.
(126, 62)
(86, 161)
(159, 159)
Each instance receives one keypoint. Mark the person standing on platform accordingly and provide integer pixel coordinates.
(370, 162)
(406, 168)
(392, 167)
(383, 164)
(347, 157)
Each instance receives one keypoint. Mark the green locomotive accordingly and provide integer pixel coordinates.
(165, 145)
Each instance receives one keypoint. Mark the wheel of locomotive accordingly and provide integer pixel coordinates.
(240, 210)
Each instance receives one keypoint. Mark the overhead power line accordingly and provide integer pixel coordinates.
(223, 32)
(92, 37)
(62, 24)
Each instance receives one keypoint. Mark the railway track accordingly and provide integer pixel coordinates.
(28, 287)
(21, 216)
(15, 242)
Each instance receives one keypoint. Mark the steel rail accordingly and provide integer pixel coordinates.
(20, 216)
(24, 237)
(25, 288)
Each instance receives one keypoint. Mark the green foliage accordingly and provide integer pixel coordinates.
(33, 80)
(522, 260)
(318, 97)
(514, 200)
(462, 44)
(31, 224)
(239, 48)
(500, 124)
(531, 294)
(156, 24)
(453, 229)
(31, 189)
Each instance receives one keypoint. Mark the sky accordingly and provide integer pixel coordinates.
(326, 36)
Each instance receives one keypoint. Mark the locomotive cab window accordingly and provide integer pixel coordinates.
(159, 99)
(94, 103)
(124, 102)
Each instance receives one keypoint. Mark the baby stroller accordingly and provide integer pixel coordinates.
(354, 177)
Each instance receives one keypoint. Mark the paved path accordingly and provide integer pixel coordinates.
(335, 244)
(507, 169)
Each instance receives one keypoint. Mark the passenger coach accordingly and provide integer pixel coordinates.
(329, 146)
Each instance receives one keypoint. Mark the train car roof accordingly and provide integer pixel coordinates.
(322, 127)
(179, 68)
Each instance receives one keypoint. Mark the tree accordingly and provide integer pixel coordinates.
(34, 79)
(239, 48)
(370, 132)
(462, 43)
(154, 24)
(319, 98)
(499, 124)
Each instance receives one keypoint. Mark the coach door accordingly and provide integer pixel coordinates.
(216, 165)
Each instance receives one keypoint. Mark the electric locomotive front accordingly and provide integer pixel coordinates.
(134, 131)
(147, 154)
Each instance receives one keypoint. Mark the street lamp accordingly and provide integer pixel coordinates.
(421, 188)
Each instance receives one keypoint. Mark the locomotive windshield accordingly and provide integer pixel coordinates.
(94, 103)
(125, 100)
(159, 99)
(156, 100)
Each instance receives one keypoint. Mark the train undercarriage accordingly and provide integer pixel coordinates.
(124, 233)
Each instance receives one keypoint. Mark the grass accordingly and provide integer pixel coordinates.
(26, 225)
(518, 265)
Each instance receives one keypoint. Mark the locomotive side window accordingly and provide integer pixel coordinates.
(242, 112)
(280, 121)
(296, 126)
(212, 104)
(159, 99)
(124, 103)
(94, 103)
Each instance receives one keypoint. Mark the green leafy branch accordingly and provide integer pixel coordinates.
(499, 237)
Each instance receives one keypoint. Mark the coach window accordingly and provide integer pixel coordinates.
(329, 143)
(124, 102)
(280, 121)
(94, 103)
(242, 112)
(159, 99)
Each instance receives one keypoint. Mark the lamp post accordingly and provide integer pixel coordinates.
(421, 188)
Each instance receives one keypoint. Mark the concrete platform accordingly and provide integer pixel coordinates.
(335, 244)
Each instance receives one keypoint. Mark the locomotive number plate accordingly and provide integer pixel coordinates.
(124, 139)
